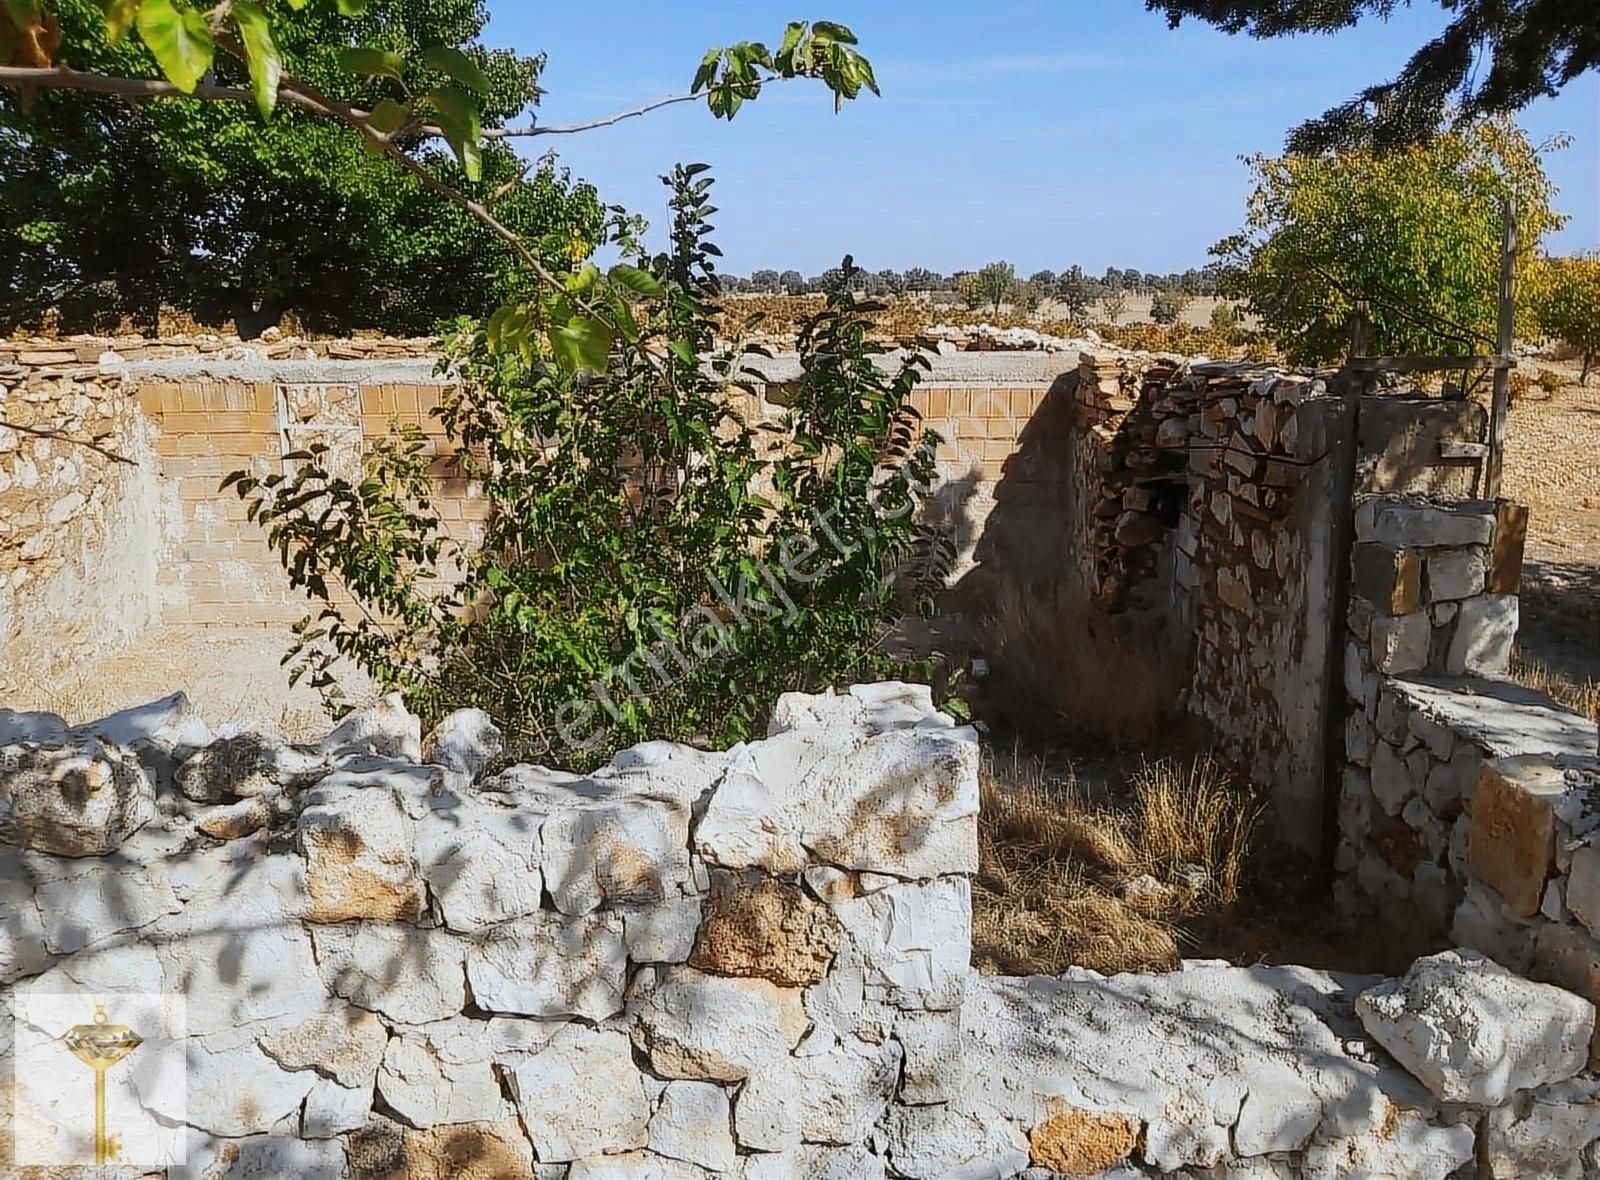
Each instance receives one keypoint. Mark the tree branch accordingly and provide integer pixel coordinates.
(574, 128)
(58, 436)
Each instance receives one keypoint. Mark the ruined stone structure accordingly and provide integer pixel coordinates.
(750, 964)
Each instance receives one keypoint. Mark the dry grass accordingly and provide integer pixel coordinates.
(1061, 666)
(1062, 883)
(1581, 696)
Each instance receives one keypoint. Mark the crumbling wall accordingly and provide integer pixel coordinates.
(1470, 807)
(77, 514)
(390, 959)
(1254, 570)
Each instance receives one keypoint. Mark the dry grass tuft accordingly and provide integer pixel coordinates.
(1061, 665)
(1581, 696)
(1064, 883)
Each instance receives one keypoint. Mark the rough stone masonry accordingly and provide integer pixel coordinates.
(750, 964)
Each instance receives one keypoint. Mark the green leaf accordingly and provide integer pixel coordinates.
(180, 40)
(389, 116)
(707, 70)
(352, 7)
(260, 52)
(829, 31)
(372, 63)
(458, 66)
(462, 126)
(582, 343)
(119, 18)
(640, 282)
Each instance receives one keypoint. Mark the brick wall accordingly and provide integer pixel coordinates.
(188, 412)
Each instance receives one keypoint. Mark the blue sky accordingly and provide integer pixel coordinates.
(1046, 134)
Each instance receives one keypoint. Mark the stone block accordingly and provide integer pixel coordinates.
(1543, 1136)
(82, 799)
(1511, 845)
(1473, 1032)
(1400, 643)
(1406, 523)
(836, 1096)
(1583, 887)
(550, 965)
(582, 1095)
(626, 852)
(1083, 1142)
(1453, 574)
(1486, 627)
(766, 929)
(1505, 555)
(1563, 954)
(1390, 579)
(385, 729)
(1392, 781)
(708, 1028)
(693, 1122)
(358, 850)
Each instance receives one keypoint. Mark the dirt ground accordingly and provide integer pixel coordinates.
(1552, 464)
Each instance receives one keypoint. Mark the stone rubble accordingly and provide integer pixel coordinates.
(751, 965)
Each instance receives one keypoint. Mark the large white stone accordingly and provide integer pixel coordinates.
(358, 851)
(409, 975)
(441, 1073)
(915, 941)
(1406, 1147)
(344, 1045)
(692, 1123)
(1543, 1136)
(834, 1097)
(82, 799)
(1486, 628)
(332, 1109)
(481, 863)
(259, 1157)
(1583, 887)
(635, 1165)
(713, 1028)
(663, 932)
(464, 743)
(245, 763)
(550, 965)
(582, 1095)
(170, 723)
(384, 728)
(938, 1143)
(627, 852)
(934, 1063)
(231, 1087)
(902, 802)
(237, 949)
(101, 901)
(1473, 1032)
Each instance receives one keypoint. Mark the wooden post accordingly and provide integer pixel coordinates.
(1360, 330)
(1504, 344)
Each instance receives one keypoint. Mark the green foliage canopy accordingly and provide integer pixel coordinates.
(1417, 231)
(1566, 305)
(1492, 58)
(209, 209)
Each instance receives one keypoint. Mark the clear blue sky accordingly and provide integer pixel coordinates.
(1043, 133)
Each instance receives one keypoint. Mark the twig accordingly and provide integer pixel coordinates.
(67, 438)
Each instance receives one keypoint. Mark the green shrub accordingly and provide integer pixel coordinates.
(655, 564)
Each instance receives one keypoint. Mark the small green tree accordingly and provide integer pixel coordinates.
(1073, 290)
(1167, 307)
(1416, 231)
(995, 284)
(1225, 318)
(1566, 303)
(1114, 305)
(655, 565)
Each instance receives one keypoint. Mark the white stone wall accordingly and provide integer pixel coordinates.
(397, 961)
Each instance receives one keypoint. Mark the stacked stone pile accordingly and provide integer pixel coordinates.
(688, 965)
(74, 353)
(1134, 415)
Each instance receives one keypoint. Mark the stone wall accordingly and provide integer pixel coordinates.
(1470, 808)
(690, 964)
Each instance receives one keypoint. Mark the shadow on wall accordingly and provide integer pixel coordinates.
(1024, 537)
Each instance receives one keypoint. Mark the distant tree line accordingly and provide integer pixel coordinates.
(1072, 286)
